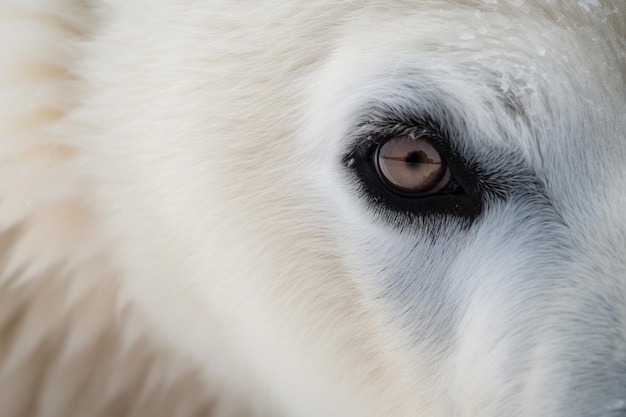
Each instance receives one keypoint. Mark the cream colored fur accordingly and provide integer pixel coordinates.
(177, 238)
(68, 347)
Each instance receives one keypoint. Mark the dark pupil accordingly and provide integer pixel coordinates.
(415, 158)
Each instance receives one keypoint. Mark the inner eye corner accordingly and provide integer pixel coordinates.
(350, 159)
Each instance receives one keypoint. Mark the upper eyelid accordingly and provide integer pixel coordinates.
(382, 118)
(379, 121)
(370, 133)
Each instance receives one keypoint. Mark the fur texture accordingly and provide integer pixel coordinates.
(180, 234)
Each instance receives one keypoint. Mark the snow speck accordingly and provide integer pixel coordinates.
(587, 5)
(619, 405)
(490, 1)
(478, 14)
(466, 36)
(541, 50)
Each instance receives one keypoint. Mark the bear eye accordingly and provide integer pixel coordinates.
(412, 165)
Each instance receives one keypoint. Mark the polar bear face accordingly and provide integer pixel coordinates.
(378, 209)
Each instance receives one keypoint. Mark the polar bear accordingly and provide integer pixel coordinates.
(303, 209)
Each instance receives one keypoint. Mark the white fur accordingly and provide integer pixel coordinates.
(179, 236)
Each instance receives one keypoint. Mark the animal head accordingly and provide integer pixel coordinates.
(368, 208)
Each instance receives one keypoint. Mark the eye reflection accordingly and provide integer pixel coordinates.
(412, 165)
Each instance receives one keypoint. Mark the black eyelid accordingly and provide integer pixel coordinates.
(462, 198)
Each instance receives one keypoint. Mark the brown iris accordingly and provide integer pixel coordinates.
(412, 165)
